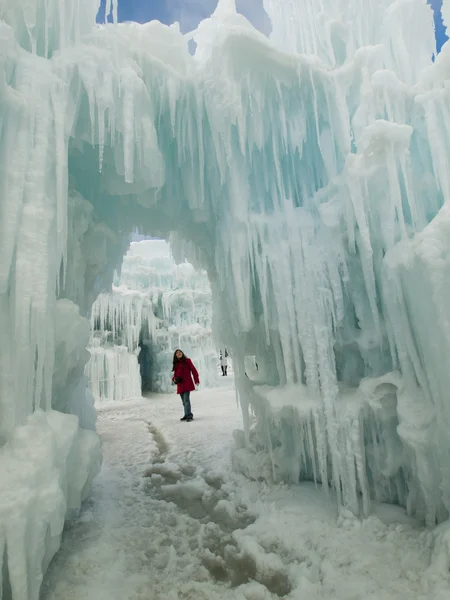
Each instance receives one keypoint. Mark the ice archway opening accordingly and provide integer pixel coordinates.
(308, 176)
(155, 306)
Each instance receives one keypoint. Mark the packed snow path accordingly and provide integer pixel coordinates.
(169, 519)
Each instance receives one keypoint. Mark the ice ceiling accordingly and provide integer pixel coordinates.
(307, 174)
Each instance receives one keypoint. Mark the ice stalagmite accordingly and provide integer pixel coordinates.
(307, 174)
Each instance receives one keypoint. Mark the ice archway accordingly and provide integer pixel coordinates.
(312, 187)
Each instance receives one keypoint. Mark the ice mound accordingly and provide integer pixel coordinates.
(39, 488)
(384, 435)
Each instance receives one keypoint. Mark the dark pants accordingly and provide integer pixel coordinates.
(186, 400)
(224, 370)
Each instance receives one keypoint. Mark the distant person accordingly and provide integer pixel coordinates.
(224, 363)
(183, 371)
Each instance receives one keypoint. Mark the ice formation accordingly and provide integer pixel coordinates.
(113, 372)
(155, 307)
(307, 174)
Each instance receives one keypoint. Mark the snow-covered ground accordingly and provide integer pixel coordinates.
(169, 519)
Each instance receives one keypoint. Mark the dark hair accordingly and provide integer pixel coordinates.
(175, 359)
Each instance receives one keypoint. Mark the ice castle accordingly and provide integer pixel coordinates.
(307, 174)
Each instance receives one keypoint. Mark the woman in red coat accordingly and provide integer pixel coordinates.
(183, 371)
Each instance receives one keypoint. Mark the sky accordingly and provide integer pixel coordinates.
(190, 12)
(441, 36)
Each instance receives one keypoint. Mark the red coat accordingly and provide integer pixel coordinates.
(185, 369)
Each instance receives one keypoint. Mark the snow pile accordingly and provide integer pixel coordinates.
(155, 307)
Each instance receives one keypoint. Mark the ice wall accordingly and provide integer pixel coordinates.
(334, 31)
(308, 175)
(48, 455)
(155, 307)
(446, 12)
(113, 373)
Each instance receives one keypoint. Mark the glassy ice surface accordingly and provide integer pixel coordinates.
(306, 174)
(155, 307)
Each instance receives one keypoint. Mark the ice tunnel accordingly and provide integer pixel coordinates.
(306, 173)
(155, 305)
